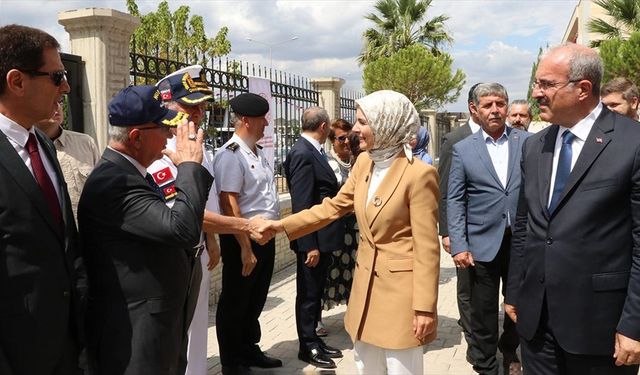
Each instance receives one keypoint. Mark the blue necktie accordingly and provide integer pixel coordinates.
(563, 170)
(324, 154)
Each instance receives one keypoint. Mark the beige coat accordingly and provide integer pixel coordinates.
(398, 258)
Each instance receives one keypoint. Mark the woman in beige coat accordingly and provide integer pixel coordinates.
(391, 313)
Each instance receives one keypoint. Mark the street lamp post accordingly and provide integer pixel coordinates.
(271, 45)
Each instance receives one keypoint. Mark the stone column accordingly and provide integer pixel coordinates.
(329, 89)
(101, 37)
(428, 117)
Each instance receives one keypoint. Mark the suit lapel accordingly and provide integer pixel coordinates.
(360, 193)
(386, 188)
(515, 144)
(319, 158)
(545, 165)
(597, 140)
(50, 151)
(483, 155)
(22, 176)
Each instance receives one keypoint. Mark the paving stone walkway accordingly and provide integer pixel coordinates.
(444, 356)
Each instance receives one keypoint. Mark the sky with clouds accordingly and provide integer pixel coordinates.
(494, 40)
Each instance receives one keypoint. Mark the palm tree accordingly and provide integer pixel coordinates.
(625, 16)
(400, 25)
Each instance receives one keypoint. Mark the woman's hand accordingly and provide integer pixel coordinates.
(424, 324)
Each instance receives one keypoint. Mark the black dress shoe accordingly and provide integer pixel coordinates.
(329, 351)
(236, 370)
(259, 359)
(317, 358)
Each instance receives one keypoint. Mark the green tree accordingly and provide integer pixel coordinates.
(533, 104)
(399, 24)
(426, 79)
(621, 58)
(164, 32)
(625, 18)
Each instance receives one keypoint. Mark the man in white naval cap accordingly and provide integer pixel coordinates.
(186, 90)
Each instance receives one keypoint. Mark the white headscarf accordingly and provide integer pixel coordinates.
(393, 120)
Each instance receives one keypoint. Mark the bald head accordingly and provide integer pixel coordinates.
(567, 84)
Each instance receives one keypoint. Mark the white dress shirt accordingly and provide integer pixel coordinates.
(499, 153)
(380, 170)
(581, 131)
(313, 141)
(474, 127)
(18, 137)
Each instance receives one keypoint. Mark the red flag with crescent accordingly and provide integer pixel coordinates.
(163, 176)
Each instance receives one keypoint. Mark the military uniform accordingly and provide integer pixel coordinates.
(242, 299)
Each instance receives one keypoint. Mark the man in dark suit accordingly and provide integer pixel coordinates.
(39, 262)
(463, 292)
(574, 282)
(484, 182)
(138, 251)
(310, 179)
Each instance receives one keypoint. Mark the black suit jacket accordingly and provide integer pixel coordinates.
(584, 256)
(310, 179)
(444, 165)
(39, 300)
(135, 250)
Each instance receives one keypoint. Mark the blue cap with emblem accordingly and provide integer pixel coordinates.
(137, 105)
(187, 86)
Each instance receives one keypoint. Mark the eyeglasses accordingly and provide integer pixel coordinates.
(56, 76)
(546, 85)
(342, 138)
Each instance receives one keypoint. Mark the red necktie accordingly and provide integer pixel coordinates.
(43, 179)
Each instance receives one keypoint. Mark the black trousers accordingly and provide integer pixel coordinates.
(242, 299)
(310, 283)
(190, 309)
(485, 288)
(544, 356)
(463, 294)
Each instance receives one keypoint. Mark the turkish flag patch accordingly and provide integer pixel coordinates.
(163, 176)
(169, 192)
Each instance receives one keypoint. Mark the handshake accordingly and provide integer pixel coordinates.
(263, 230)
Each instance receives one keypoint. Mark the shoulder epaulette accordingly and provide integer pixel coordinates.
(233, 146)
(258, 146)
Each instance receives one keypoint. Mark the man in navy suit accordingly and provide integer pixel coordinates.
(574, 282)
(310, 180)
(39, 261)
(484, 181)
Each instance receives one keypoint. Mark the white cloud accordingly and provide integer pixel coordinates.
(503, 35)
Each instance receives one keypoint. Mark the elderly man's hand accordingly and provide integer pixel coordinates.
(188, 144)
(258, 228)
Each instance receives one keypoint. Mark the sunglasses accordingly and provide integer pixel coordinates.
(56, 76)
(342, 138)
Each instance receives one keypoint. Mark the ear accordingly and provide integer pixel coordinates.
(16, 81)
(585, 88)
(472, 108)
(135, 137)
(634, 102)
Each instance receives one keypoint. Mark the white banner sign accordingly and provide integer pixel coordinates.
(262, 87)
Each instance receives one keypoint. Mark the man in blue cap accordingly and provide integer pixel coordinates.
(186, 91)
(139, 251)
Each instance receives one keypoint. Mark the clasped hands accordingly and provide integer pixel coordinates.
(263, 230)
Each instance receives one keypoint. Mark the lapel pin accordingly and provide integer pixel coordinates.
(377, 201)
(598, 140)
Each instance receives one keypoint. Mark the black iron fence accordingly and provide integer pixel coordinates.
(348, 105)
(228, 78)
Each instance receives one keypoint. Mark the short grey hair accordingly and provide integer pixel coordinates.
(234, 118)
(313, 117)
(486, 89)
(520, 102)
(584, 63)
(119, 134)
